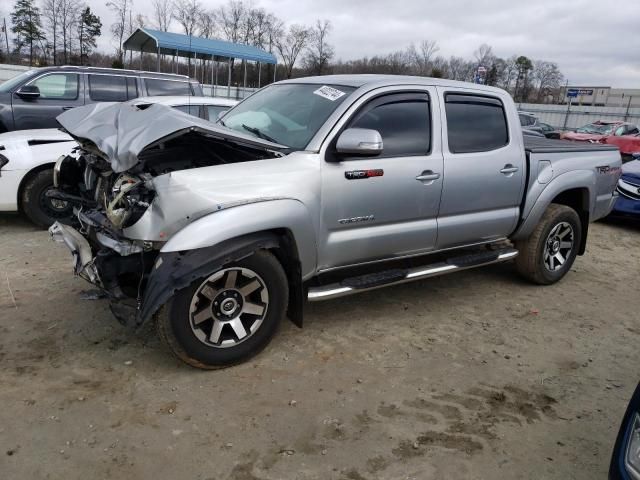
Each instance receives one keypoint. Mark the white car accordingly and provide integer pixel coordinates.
(27, 158)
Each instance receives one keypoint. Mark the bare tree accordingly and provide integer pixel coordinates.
(484, 55)
(122, 11)
(68, 21)
(319, 53)
(290, 45)
(509, 74)
(187, 14)
(423, 55)
(207, 23)
(231, 19)
(162, 14)
(51, 14)
(547, 77)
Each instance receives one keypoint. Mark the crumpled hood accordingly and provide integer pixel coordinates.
(120, 131)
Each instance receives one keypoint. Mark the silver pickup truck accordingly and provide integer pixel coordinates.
(312, 189)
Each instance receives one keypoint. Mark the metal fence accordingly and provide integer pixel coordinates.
(222, 91)
(569, 117)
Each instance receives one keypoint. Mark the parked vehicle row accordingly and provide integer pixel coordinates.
(36, 97)
(628, 202)
(312, 189)
(27, 158)
(624, 135)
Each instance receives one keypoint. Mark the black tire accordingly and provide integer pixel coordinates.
(533, 253)
(174, 320)
(36, 206)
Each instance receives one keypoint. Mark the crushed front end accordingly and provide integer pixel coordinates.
(129, 193)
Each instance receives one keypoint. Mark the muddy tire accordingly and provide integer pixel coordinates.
(41, 210)
(227, 317)
(549, 252)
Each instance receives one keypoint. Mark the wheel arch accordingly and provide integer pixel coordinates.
(578, 200)
(174, 270)
(573, 189)
(28, 176)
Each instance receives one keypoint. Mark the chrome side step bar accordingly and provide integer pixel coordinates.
(360, 284)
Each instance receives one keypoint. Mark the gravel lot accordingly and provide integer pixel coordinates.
(474, 375)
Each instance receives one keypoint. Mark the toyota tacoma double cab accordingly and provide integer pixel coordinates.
(309, 190)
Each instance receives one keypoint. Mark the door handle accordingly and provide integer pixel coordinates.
(67, 108)
(509, 169)
(428, 176)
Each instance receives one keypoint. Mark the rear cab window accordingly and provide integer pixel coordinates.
(475, 123)
(157, 86)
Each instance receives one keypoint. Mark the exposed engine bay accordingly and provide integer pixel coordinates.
(87, 180)
(109, 198)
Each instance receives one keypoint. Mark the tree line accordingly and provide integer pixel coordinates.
(62, 32)
(65, 32)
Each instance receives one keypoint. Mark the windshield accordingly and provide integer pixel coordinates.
(598, 128)
(288, 114)
(10, 84)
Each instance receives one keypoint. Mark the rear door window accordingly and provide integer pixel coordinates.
(475, 123)
(107, 88)
(167, 87)
(403, 121)
(58, 86)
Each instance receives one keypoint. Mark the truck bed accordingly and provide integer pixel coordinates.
(549, 145)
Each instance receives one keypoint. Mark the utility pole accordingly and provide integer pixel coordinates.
(6, 36)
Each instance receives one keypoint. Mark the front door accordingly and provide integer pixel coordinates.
(59, 91)
(385, 206)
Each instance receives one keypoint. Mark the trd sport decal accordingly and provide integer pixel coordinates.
(358, 174)
(364, 218)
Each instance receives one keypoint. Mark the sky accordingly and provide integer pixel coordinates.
(594, 42)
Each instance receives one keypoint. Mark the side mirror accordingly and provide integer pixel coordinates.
(359, 141)
(28, 92)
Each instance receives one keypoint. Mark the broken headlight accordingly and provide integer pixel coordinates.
(129, 198)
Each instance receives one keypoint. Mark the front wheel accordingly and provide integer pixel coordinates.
(227, 317)
(549, 252)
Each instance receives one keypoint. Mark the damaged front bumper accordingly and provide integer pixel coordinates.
(83, 260)
(117, 266)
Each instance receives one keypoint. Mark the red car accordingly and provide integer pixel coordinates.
(598, 132)
(628, 145)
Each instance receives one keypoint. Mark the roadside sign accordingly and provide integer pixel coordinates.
(574, 92)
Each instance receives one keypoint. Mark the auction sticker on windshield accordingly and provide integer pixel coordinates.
(329, 93)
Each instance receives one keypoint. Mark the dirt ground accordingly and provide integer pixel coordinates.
(475, 375)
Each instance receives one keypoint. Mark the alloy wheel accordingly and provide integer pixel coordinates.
(558, 246)
(228, 307)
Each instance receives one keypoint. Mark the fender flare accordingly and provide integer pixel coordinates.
(577, 179)
(173, 271)
(237, 221)
(223, 237)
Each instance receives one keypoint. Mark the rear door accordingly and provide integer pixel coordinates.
(484, 169)
(391, 212)
(59, 91)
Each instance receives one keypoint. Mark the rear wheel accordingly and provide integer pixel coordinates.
(549, 252)
(35, 204)
(227, 317)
